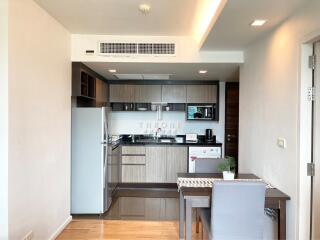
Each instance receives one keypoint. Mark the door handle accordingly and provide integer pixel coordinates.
(231, 136)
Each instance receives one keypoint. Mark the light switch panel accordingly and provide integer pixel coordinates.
(282, 143)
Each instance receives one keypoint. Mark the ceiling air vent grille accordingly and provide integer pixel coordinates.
(145, 48)
(120, 48)
(157, 49)
(163, 48)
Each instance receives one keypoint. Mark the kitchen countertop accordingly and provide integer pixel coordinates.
(201, 142)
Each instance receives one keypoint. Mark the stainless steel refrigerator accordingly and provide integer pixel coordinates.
(90, 188)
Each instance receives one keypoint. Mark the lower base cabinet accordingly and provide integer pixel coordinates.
(158, 164)
(136, 208)
(133, 173)
(163, 163)
(176, 161)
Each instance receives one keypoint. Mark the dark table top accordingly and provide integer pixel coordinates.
(271, 193)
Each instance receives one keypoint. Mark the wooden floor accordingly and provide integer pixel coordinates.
(122, 230)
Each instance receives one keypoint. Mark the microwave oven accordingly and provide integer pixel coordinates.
(201, 111)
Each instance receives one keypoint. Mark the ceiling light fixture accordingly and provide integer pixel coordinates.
(203, 71)
(144, 8)
(112, 70)
(258, 22)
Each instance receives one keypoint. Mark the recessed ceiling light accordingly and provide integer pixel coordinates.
(258, 22)
(203, 71)
(144, 8)
(112, 70)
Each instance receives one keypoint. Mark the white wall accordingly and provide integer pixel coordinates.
(269, 107)
(39, 116)
(4, 119)
(175, 122)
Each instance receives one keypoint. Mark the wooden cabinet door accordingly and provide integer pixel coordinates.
(174, 93)
(202, 93)
(171, 209)
(131, 207)
(133, 173)
(155, 209)
(177, 158)
(101, 91)
(147, 93)
(133, 150)
(122, 93)
(156, 164)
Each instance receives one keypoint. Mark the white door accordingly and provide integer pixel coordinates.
(316, 148)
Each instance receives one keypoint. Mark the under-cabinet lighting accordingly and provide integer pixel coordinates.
(112, 70)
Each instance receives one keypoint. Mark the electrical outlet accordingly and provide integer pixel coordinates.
(29, 236)
(282, 143)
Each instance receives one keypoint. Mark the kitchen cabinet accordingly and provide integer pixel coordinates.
(125, 93)
(147, 93)
(156, 164)
(164, 162)
(132, 207)
(89, 86)
(133, 160)
(137, 208)
(155, 209)
(121, 93)
(171, 209)
(114, 173)
(102, 91)
(133, 173)
(133, 150)
(202, 93)
(176, 161)
(174, 93)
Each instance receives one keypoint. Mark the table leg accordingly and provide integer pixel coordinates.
(282, 220)
(181, 217)
(188, 219)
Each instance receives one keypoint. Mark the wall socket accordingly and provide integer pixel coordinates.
(282, 142)
(29, 236)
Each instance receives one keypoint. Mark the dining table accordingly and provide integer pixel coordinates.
(200, 197)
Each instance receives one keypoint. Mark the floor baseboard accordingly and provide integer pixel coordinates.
(61, 228)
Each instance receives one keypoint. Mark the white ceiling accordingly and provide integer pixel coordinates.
(177, 71)
(232, 31)
(122, 17)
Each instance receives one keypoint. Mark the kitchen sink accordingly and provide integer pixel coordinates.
(166, 140)
(146, 140)
(155, 140)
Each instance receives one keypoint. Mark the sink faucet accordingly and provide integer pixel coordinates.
(157, 133)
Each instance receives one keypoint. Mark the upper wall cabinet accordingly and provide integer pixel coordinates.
(202, 93)
(147, 93)
(102, 91)
(88, 87)
(135, 93)
(174, 93)
(122, 93)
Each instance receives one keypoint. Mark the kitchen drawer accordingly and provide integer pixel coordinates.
(133, 160)
(133, 173)
(133, 150)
